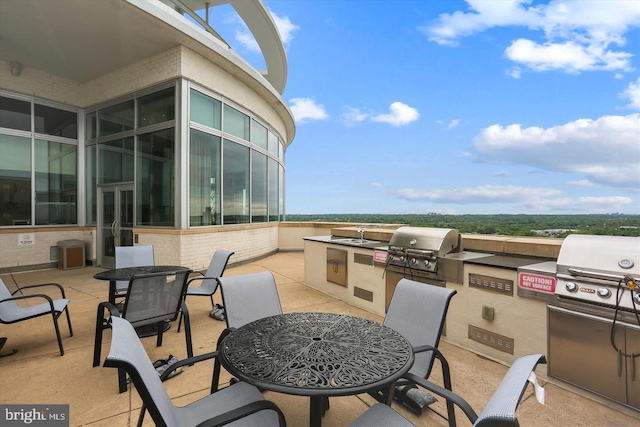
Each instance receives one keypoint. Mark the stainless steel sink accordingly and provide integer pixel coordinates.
(353, 241)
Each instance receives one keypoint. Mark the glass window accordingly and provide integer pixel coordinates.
(54, 121)
(15, 114)
(281, 151)
(258, 134)
(281, 192)
(273, 190)
(55, 184)
(156, 108)
(91, 125)
(204, 179)
(273, 144)
(258, 187)
(90, 182)
(155, 188)
(236, 123)
(116, 161)
(116, 119)
(15, 180)
(235, 184)
(205, 110)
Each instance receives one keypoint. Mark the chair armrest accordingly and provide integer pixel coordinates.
(40, 286)
(501, 408)
(188, 361)
(244, 411)
(199, 278)
(446, 394)
(47, 297)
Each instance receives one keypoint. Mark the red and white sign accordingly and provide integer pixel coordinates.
(537, 282)
(380, 256)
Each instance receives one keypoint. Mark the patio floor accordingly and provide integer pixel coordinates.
(38, 375)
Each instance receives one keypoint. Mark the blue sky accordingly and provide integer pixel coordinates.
(459, 107)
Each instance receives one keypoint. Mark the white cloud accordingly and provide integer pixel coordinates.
(514, 72)
(284, 25)
(586, 204)
(580, 35)
(537, 199)
(376, 184)
(454, 123)
(501, 173)
(400, 114)
(581, 183)
(307, 109)
(605, 151)
(353, 115)
(632, 93)
(481, 194)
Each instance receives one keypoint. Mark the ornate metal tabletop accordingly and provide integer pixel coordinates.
(316, 354)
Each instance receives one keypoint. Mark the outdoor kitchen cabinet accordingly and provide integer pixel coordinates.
(337, 266)
(581, 353)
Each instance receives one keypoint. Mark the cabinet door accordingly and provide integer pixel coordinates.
(337, 266)
(580, 352)
(633, 383)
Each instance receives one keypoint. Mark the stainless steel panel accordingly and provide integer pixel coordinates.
(580, 353)
(337, 266)
(633, 382)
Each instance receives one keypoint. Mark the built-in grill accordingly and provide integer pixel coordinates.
(600, 270)
(594, 326)
(419, 248)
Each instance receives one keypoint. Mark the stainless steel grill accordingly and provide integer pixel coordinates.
(600, 270)
(418, 248)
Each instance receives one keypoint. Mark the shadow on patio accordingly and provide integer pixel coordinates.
(38, 375)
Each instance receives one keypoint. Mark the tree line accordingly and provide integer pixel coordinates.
(499, 224)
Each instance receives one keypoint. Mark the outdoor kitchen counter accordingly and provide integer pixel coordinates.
(348, 241)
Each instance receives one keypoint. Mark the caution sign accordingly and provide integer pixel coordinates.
(537, 282)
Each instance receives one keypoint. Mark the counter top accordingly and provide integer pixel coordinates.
(352, 242)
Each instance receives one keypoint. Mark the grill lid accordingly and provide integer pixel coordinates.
(440, 241)
(589, 256)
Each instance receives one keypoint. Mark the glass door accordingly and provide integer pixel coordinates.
(115, 212)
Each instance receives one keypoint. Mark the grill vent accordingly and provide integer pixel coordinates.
(363, 259)
(491, 339)
(493, 284)
(363, 293)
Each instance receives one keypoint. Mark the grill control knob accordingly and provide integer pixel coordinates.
(636, 297)
(414, 261)
(604, 292)
(571, 287)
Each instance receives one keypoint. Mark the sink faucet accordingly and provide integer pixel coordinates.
(361, 231)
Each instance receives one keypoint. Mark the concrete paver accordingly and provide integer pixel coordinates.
(37, 374)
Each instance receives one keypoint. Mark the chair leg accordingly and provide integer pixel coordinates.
(160, 327)
(69, 321)
(143, 409)
(100, 326)
(187, 329)
(215, 380)
(179, 321)
(122, 381)
(55, 324)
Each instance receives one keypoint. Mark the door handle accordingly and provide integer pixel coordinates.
(113, 225)
(117, 229)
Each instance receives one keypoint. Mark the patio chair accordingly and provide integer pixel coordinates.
(131, 256)
(246, 298)
(11, 312)
(418, 311)
(499, 412)
(151, 301)
(237, 405)
(209, 284)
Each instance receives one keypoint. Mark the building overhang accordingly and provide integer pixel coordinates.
(82, 40)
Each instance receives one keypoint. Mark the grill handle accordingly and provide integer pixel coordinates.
(596, 275)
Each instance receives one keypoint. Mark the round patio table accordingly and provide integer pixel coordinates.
(317, 355)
